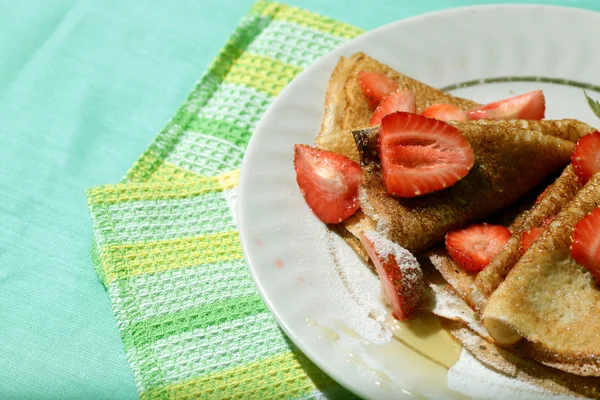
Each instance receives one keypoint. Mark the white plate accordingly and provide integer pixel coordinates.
(311, 282)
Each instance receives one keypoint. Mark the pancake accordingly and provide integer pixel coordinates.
(357, 112)
(475, 289)
(502, 154)
(465, 325)
(549, 299)
(346, 109)
(457, 277)
(560, 193)
(332, 135)
(567, 129)
(509, 362)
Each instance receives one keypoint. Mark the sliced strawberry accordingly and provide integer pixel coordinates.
(528, 238)
(530, 106)
(585, 243)
(420, 155)
(376, 86)
(586, 157)
(445, 112)
(328, 181)
(474, 247)
(400, 100)
(399, 271)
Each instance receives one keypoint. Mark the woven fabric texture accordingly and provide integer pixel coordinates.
(166, 244)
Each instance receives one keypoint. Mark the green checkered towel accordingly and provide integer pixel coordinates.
(166, 245)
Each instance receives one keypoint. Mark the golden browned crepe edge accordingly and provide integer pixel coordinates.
(502, 153)
(439, 291)
(557, 195)
(569, 133)
(332, 136)
(567, 129)
(557, 237)
(510, 363)
(456, 276)
(357, 113)
(346, 108)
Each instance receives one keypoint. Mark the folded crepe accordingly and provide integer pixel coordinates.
(557, 195)
(509, 162)
(465, 326)
(475, 289)
(346, 109)
(549, 299)
(515, 365)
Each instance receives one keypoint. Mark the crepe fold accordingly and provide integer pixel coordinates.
(511, 158)
(503, 152)
(549, 299)
(346, 109)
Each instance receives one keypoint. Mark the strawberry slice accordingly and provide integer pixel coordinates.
(376, 86)
(399, 271)
(530, 106)
(528, 238)
(328, 181)
(474, 247)
(586, 156)
(420, 155)
(445, 112)
(400, 100)
(585, 243)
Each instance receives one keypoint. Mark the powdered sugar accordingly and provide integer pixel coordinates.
(472, 378)
(448, 304)
(402, 277)
(385, 248)
(412, 275)
(360, 290)
(346, 290)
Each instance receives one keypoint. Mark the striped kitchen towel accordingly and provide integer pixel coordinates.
(166, 244)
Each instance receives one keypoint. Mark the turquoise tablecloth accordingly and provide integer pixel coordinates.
(84, 86)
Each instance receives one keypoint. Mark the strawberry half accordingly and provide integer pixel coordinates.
(474, 247)
(399, 271)
(400, 100)
(528, 238)
(420, 155)
(328, 181)
(586, 156)
(530, 106)
(585, 243)
(376, 86)
(445, 112)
